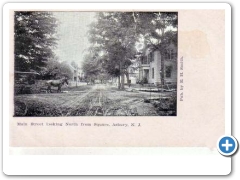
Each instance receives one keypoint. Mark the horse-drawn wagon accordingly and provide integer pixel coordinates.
(24, 81)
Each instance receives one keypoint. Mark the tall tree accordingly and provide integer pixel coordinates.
(113, 36)
(158, 29)
(55, 70)
(91, 68)
(34, 37)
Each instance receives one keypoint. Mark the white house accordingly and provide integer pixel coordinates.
(151, 63)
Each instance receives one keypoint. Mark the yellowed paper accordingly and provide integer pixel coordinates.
(199, 121)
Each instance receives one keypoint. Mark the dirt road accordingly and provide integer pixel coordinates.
(95, 100)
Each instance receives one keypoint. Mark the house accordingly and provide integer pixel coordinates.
(77, 73)
(133, 72)
(153, 63)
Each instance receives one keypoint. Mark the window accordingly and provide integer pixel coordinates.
(141, 59)
(153, 73)
(168, 71)
(144, 60)
(170, 54)
(150, 57)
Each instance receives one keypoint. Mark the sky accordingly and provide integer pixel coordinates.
(72, 33)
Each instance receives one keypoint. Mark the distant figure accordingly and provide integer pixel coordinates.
(56, 83)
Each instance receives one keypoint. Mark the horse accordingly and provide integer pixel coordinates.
(56, 83)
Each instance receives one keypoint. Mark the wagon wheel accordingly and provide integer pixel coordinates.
(20, 108)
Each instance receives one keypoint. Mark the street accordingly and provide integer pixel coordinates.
(89, 100)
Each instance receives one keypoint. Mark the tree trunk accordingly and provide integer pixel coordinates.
(162, 69)
(119, 84)
(122, 81)
(128, 82)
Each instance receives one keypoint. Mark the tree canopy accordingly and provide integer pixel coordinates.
(35, 38)
(115, 35)
(55, 70)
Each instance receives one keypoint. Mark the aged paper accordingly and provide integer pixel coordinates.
(197, 120)
(147, 83)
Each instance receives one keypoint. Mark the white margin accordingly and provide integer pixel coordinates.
(114, 165)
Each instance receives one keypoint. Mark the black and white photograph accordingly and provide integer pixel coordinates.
(113, 63)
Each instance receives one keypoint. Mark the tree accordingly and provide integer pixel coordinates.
(74, 64)
(65, 70)
(113, 38)
(115, 34)
(34, 38)
(158, 29)
(55, 70)
(90, 68)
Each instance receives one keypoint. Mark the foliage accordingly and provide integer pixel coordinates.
(153, 26)
(158, 29)
(55, 70)
(34, 37)
(114, 37)
(74, 64)
(90, 68)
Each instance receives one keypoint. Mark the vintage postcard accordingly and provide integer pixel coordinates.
(115, 76)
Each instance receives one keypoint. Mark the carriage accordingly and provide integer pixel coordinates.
(31, 83)
(24, 81)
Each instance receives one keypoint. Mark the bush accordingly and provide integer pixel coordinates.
(166, 107)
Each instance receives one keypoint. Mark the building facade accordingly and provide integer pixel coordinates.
(153, 63)
(133, 72)
(77, 73)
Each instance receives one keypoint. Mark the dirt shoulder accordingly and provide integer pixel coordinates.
(98, 100)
